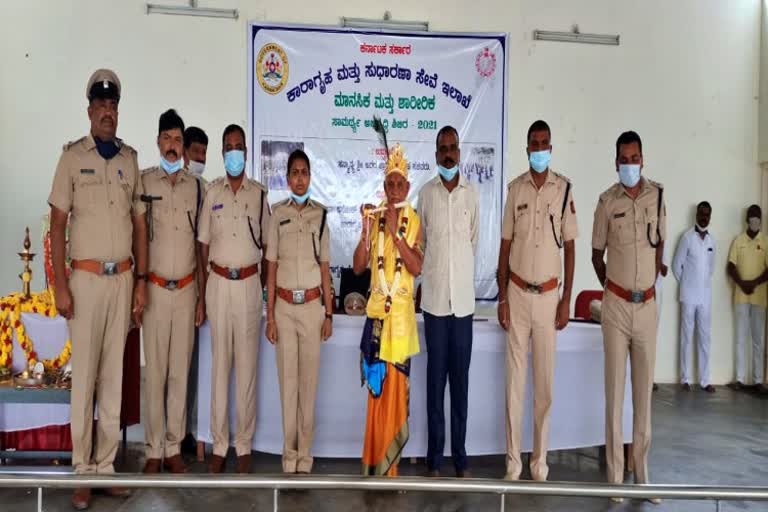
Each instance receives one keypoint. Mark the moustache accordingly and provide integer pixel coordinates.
(449, 163)
(172, 152)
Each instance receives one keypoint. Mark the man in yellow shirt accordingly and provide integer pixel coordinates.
(748, 267)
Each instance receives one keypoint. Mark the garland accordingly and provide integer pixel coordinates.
(386, 290)
(11, 308)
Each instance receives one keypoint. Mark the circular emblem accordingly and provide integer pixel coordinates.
(485, 63)
(272, 68)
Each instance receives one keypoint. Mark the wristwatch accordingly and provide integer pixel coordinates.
(329, 316)
(142, 277)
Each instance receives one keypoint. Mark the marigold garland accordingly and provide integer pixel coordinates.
(11, 308)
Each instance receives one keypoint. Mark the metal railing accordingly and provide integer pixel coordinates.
(45, 480)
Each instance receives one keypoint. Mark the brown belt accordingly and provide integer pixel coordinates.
(235, 274)
(531, 287)
(633, 296)
(103, 268)
(298, 296)
(171, 284)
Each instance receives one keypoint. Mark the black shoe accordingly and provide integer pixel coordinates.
(736, 386)
(686, 386)
(189, 446)
(655, 387)
(709, 388)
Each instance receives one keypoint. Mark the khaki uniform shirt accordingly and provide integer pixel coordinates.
(535, 222)
(624, 226)
(172, 253)
(101, 196)
(750, 255)
(296, 244)
(234, 226)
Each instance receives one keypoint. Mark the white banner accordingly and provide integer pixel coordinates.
(318, 89)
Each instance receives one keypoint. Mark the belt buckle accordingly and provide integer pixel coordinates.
(636, 297)
(109, 268)
(533, 288)
(233, 274)
(171, 284)
(298, 296)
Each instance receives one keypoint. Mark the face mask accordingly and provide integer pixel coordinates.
(629, 174)
(754, 224)
(196, 168)
(539, 160)
(300, 199)
(446, 173)
(234, 162)
(170, 167)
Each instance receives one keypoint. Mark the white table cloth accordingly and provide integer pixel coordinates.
(48, 336)
(578, 410)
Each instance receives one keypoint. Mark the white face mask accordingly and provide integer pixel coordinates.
(754, 224)
(196, 168)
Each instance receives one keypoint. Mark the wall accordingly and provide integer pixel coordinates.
(685, 77)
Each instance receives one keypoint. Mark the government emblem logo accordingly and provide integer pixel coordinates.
(272, 68)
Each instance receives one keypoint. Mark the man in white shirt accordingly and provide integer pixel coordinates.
(693, 266)
(448, 207)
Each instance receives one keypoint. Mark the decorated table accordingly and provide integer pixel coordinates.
(37, 418)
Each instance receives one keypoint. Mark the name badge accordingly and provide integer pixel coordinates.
(218, 206)
(620, 215)
(87, 171)
(284, 222)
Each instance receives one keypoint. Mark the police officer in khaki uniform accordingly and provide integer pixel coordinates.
(298, 276)
(97, 189)
(174, 304)
(539, 220)
(630, 222)
(195, 155)
(234, 222)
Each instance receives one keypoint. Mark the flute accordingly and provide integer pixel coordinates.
(370, 213)
(384, 208)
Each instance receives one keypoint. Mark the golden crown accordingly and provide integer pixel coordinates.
(396, 162)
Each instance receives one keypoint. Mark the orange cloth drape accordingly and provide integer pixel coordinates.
(386, 425)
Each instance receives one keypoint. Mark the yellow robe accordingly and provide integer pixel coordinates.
(399, 336)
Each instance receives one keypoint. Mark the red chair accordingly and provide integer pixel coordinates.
(581, 308)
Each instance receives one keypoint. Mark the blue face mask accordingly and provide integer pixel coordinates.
(170, 167)
(629, 174)
(234, 162)
(447, 174)
(300, 199)
(539, 160)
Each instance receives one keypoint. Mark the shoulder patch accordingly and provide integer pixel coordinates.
(258, 184)
(125, 147)
(280, 204)
(71, 143)
(319, 204)
(215, 183)
(562, 177)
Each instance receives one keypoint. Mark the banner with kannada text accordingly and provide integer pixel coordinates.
(318, 89)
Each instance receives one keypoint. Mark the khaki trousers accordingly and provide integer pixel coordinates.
(169, 335)
(531, 326)
(98, 331)
(628, 329)
(298, 361)
(234, 313)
